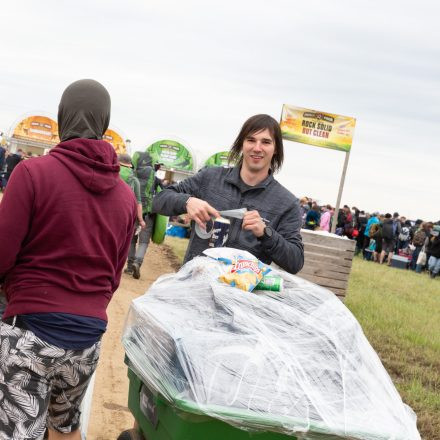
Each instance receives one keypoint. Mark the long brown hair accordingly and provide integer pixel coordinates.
(255, 124)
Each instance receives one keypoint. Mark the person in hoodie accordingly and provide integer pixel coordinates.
(149, 185)
(66, 221)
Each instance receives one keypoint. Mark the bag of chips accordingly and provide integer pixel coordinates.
(245, 273)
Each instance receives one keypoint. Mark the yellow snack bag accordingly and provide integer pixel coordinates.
(245, 273)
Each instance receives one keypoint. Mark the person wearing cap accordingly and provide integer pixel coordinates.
(66, 221)
(270, 229)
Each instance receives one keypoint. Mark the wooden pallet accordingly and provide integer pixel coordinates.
(327, 261)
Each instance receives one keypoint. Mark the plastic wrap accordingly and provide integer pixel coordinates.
(295, 361)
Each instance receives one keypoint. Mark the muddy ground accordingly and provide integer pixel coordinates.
(110, 414)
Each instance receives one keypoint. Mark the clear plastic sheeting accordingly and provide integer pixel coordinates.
(295, 361)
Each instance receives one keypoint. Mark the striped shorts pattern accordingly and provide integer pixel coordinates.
(40, 384)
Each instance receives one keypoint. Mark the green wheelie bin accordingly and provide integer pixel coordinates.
(158, 420)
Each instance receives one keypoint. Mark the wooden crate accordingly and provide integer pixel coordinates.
(327, 261)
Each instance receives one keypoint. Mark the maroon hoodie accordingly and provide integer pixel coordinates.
(66, 222)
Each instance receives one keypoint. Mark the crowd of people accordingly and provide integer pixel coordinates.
(380, 236)
(9, 160)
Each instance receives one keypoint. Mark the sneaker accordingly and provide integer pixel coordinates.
(128, 270)
(136, 271)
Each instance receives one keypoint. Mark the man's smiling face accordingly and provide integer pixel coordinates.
(258, 150)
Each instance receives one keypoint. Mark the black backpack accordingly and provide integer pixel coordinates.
(142, 159)
(388, 230)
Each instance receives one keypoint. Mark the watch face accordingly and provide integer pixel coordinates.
(268, 231)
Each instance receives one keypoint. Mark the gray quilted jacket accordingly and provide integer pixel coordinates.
(220, 187)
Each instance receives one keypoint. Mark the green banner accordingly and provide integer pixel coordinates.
(171, 154)
(218, 160)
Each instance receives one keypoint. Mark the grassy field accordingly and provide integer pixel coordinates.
(399, 312)
(178, 246)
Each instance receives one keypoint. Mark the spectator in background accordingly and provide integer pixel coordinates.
(348, 222)
(376, 235)
(304, 208)
(3, 155)
(371, 221)
(397, 228)
(326, 217)
(149, 185)
(415, 228)
(355, 212)
(360, 226)
(405, 234)
(127, 175)
(388, 239)
(12, 161)
(434, 251)
(420, 240)
(340, 222)
(313, 217)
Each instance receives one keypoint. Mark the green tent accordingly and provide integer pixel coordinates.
(218, 160)
(171, 154)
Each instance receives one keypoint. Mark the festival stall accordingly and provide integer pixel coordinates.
(177, 161)
(114, 138)
(37, 134)
(220, 159)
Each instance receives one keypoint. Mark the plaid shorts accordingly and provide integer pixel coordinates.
(40, 384)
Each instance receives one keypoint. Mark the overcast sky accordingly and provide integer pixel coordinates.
(196, 70)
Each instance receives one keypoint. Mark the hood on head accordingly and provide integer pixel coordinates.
(93, 162)
(144, 172)
(84, 111)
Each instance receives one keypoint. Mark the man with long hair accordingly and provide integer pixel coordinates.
(270, 229)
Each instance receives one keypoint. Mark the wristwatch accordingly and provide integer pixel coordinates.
(268, 232)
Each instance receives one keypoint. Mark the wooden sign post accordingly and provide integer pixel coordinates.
(341, 188)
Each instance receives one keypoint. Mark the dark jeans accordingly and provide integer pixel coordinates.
(142, 240)
(402, 244)
(415, 255)
(365, 245)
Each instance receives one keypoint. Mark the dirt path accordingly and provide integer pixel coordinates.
(110, 414)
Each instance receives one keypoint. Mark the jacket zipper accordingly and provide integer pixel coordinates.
(233, 236)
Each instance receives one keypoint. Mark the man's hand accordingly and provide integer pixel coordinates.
(254, 223)
(142, 224)
(200, 211)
